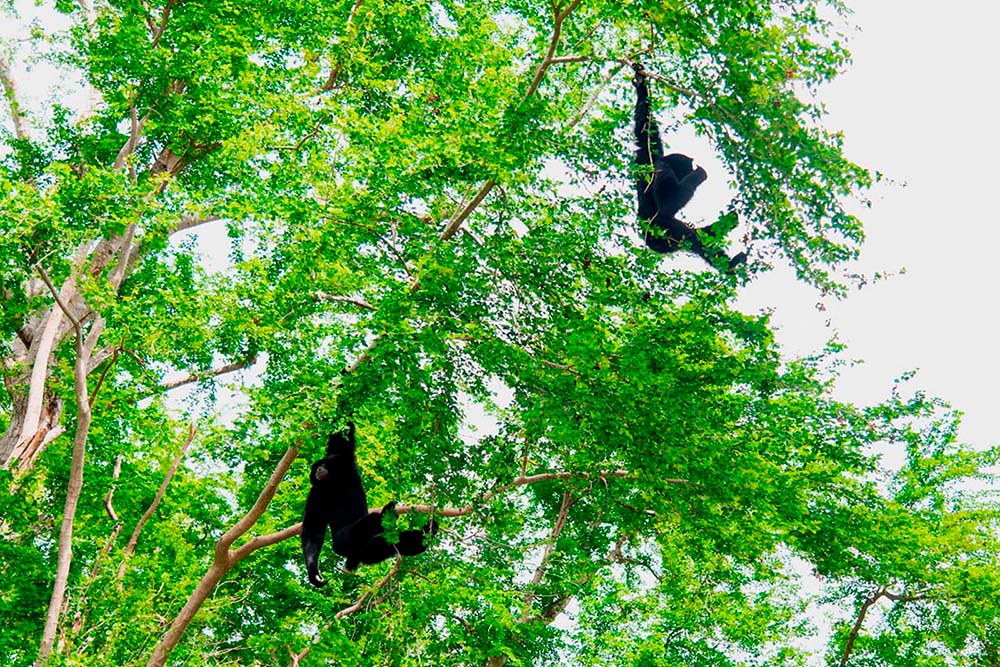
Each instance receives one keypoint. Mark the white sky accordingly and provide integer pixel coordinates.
(919, 104)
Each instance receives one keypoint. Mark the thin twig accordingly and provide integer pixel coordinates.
(130, 548)
(364, 596)
(519, 481)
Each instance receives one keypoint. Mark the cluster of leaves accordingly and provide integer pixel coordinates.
(634, 473)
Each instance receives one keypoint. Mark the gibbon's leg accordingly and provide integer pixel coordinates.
(313, 534)
(350, 540)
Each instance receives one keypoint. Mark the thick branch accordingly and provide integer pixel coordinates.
(189, 221)
(21, 128)
(45, 343)
(455, 223)
(130, 548)
(75, 485)
(225, 560)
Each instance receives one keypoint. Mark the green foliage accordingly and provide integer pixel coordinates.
(636, 474)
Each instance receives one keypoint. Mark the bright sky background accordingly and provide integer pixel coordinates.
(920, 105)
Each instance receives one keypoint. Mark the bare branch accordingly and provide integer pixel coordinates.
(130, 548)
(198, 376)
(465, 210)
(367, 594)
(22, 130)
(361, 303)
(189, 221)
(75, 484)
(518, 481)
(225, 560)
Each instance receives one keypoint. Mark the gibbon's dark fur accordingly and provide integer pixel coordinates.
(337, 499)
(667, 188)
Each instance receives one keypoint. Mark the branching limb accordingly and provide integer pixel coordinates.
(133, 139)
(130, 548)
(297, 657)
(189, 221)
(75, 485)
(45, 343)
(367, 594)
(465, 210)
(331, 80)
(158, 32)
(225, 559)
(880, 592)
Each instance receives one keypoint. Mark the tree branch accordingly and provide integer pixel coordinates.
(224, 559)
(367, 594)
(559, 18)
(43, 346)
(518, 481)
(130, 548)
(189, 221)
(550, 546)
(75, 484)
(22, 129)
(198, 376)
(465, 210)
(163, 23)
(133, 139)
(361, 303)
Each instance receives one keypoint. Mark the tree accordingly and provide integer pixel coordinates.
(649, 478)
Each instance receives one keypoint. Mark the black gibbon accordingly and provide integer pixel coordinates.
(668, 188)
(337, 499)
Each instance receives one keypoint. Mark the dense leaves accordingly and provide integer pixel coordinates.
(273, 217)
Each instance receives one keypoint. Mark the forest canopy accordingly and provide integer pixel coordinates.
(227, 229)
